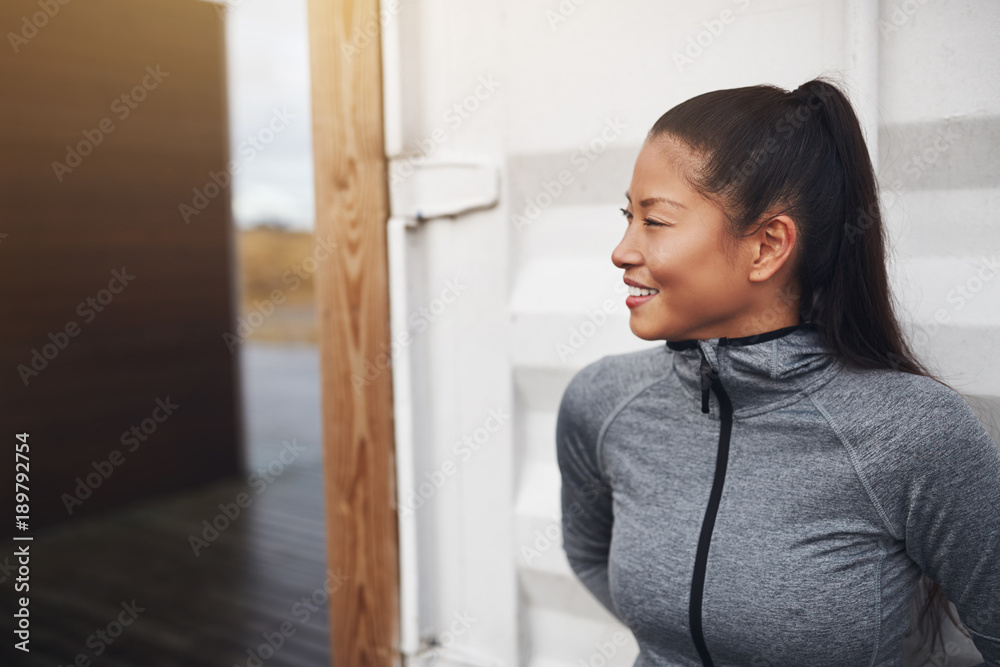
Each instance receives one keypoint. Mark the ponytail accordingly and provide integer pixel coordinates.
(766, 151)
(845, 265)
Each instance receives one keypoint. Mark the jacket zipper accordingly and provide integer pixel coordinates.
(709, 378)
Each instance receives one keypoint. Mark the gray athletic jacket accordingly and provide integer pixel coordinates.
(755, 501)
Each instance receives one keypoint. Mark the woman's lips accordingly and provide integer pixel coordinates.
(634, 301)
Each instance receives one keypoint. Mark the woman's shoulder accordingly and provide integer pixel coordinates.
(894, 419)
(925, 459)
(595, 393)
(620, 373)
(595, 389)
(880, 394)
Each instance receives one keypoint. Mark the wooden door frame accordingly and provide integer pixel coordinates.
(352, 291)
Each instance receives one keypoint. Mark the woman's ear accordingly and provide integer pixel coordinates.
(771, 247)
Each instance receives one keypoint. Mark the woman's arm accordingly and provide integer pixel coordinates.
(952, 518)
(586, 497)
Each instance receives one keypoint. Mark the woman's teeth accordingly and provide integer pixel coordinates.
(640, 291)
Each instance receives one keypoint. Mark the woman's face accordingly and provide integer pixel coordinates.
(673, 244)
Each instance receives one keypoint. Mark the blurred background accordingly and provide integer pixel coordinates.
(158, 201)
(161, 231)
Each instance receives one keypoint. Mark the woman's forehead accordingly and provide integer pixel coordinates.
(663, 171)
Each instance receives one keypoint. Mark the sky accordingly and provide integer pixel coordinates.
(268, 69)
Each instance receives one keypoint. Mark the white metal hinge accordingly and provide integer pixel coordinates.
(422, 190)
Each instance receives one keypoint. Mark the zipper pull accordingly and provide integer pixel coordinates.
(706, 370)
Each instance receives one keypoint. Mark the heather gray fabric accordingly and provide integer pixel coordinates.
(840, 486)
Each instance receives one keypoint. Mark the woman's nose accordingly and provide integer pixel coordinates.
(625, 254)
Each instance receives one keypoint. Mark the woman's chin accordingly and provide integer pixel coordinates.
(641, 329)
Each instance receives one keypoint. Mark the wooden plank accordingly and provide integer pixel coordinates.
(199, 611)
(352, 207)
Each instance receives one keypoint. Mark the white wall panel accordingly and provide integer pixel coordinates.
(573, 93)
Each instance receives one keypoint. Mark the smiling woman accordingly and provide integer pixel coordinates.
(790, 520)
(703, 283)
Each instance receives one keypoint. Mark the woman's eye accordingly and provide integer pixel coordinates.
(649, 223)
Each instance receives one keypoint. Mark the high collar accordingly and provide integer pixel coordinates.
(758, 372)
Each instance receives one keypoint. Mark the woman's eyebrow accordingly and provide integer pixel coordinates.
(649, 201)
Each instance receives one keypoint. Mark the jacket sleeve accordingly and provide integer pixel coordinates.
(585, 496)
(952, 504)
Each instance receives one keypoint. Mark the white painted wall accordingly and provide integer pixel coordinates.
(574, 87)
(941, 106)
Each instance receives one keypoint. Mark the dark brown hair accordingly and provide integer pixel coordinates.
(762, 151)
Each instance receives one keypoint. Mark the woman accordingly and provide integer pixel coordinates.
(771, 485)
